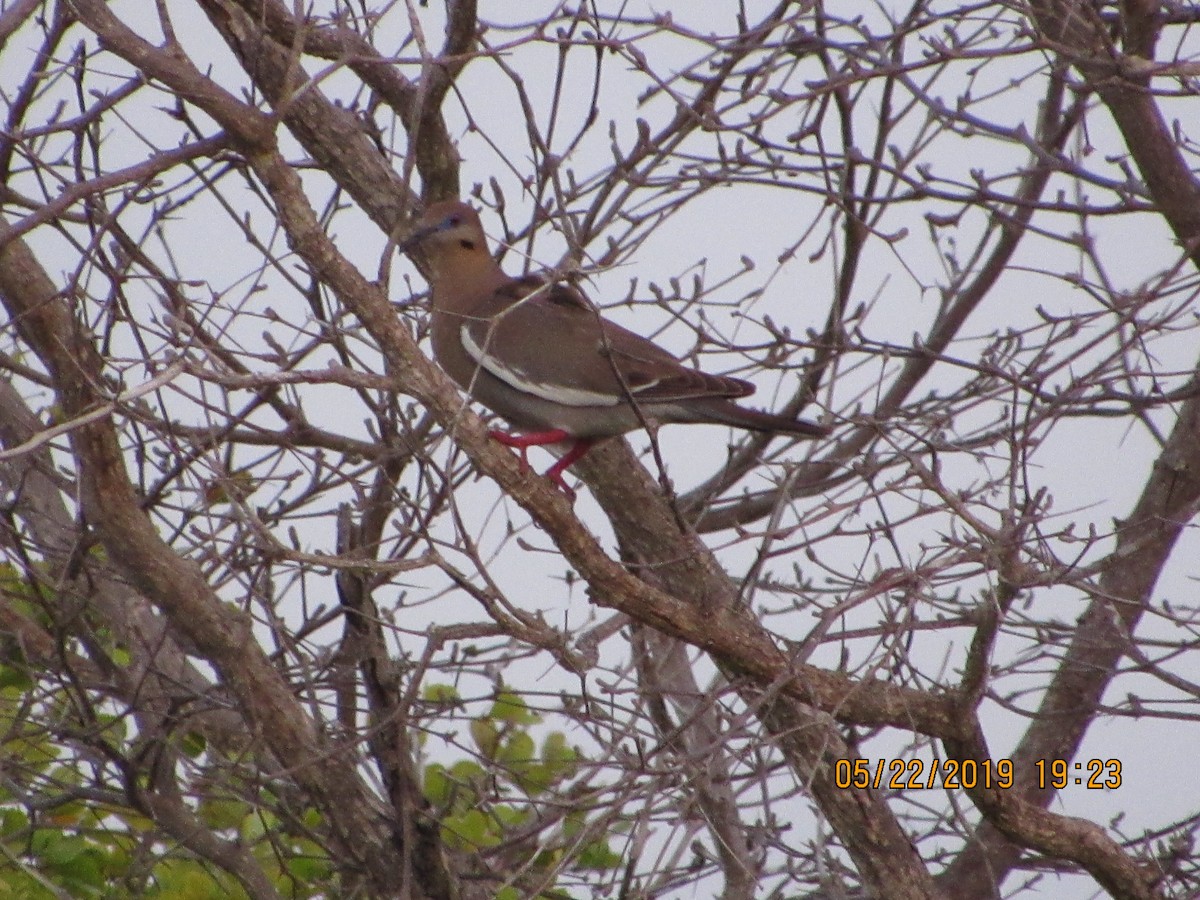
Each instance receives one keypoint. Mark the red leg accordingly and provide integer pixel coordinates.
(539, 438)
(524, 441)
(578, 450)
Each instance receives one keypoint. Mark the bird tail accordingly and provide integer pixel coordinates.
(726, 412)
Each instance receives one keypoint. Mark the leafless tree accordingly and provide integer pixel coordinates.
(278, 616)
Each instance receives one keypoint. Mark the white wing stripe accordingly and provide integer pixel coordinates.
(515, 378)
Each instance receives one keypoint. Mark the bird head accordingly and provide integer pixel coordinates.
(448, 227)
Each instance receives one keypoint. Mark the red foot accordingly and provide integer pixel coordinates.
(522, 442)
(568, 459)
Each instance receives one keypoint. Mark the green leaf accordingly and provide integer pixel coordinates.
(508, 816)
(467, 773)
(13, 821)
(441, 693)
(185, 880)
(11, 676)
(598, 856)
(308, 869)
(454, 787)
(486, 736)
(473, 829)
(438, 786)
(223, 813)
(510, 707)
(559, 756)
(84, 871)
(535, 779)
(258, 824)
(56, 848)
(518, 752)
(519, 756)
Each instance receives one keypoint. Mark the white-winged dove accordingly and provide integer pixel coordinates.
(539, 355)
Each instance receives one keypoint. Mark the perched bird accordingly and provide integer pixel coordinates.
(538, 354)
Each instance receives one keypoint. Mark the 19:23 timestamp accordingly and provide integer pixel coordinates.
(953, 774)
(1058, 773)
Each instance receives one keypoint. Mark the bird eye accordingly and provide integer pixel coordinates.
(453, 222)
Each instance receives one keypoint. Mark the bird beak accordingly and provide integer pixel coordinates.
(416, 237)
(422, 233)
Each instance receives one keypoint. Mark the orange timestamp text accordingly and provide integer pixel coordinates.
(958, 774)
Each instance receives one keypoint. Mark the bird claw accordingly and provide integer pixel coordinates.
(557, 480)
(572, 456)
(522, 442)
(555, 474)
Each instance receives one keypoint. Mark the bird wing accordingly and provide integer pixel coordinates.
(546, 339)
